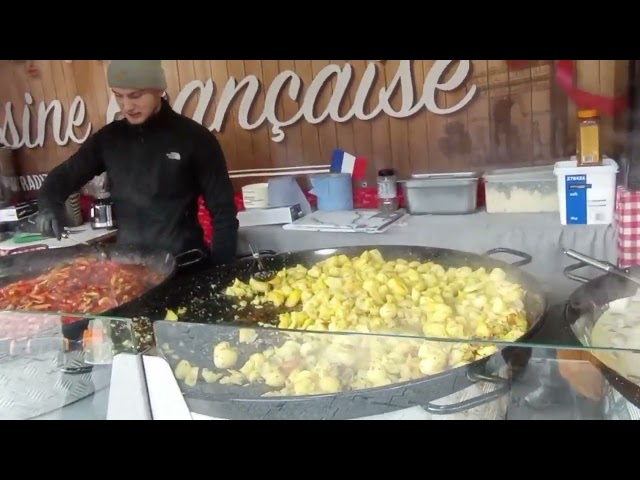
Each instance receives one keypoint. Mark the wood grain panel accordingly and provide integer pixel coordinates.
(508, 122)
(478, 116)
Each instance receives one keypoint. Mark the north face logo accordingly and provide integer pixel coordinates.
(173, 156)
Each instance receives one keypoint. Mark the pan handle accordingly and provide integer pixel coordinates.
(76, 370)
(568, 272)
(503, 389)
(526, 258)
(28, 248)
(261, 253)
(200, 255)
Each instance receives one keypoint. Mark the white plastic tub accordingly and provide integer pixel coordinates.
(586, 195)
(521, 190)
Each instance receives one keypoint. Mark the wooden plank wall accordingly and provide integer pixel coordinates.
(515, 118)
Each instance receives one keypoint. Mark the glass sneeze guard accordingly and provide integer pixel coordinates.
(63, 367)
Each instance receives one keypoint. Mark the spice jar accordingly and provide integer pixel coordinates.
(588, 153)
(387, 190)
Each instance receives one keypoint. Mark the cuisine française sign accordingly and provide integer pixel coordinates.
(286, 82)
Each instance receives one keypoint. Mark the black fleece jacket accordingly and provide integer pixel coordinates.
(156, 172)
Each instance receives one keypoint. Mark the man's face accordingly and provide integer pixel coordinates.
(137, 105)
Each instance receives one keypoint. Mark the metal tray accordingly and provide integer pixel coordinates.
(442, 194)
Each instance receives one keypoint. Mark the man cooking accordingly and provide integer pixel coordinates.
(158, 162)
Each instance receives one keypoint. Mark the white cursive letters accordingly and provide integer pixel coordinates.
(307, 101)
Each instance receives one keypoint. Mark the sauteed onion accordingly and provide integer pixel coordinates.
(83, 285)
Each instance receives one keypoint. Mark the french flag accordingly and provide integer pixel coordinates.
(343, 162)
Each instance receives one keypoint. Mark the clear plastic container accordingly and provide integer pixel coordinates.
(387, 190)
(588, 151)
(521, 190)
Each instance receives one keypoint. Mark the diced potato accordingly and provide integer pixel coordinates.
(369, 294)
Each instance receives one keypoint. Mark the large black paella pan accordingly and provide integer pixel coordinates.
(201, 296)
(151, 268)
(607, 305)
(203, 301)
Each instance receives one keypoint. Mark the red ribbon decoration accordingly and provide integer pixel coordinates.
(566, 78)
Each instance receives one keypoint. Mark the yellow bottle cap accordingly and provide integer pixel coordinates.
(587, 113)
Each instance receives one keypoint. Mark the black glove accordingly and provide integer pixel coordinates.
(48, 224)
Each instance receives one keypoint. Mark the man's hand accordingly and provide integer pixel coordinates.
(48, 224)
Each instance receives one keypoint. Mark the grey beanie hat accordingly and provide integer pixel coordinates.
(136, 74)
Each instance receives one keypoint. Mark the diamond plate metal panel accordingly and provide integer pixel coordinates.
(33, 385)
